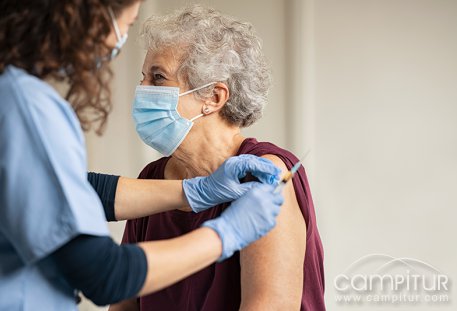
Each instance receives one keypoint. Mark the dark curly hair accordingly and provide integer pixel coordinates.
(61, 40)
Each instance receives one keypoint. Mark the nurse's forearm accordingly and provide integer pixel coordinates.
(108, 273)
(170, 261)
(143, 197)
(128, 198)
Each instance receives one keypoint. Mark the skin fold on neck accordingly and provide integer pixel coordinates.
(210, 142)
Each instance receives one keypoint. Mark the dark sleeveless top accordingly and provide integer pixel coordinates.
(218, 287)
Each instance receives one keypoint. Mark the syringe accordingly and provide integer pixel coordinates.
(288, 176)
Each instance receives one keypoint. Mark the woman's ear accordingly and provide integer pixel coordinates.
(220, 96)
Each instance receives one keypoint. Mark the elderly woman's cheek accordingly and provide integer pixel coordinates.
(188, 108)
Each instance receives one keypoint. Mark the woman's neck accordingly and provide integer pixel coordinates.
(204, 150)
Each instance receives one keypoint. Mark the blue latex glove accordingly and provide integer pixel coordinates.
(224, 184)
(247, 219)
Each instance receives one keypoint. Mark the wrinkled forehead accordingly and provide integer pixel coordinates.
(169, 58)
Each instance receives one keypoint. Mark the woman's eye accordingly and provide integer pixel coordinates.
(158, 77)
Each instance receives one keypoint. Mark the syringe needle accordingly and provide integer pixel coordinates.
(288, 175)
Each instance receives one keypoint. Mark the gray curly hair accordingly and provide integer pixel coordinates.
(217, 48)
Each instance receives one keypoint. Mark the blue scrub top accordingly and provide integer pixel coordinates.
(45, 199)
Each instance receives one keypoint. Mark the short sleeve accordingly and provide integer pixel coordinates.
(45, 198)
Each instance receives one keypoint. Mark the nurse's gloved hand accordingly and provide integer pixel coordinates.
(247, 219)
(224, 184)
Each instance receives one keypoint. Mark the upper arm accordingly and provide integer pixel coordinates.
(272, 267)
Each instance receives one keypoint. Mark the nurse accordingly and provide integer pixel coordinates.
(53, 236)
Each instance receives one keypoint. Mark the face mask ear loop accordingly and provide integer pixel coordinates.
(197, 89)
(115, 25)
(194, 90)
(195, 118)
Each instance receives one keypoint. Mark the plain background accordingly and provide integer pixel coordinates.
(370, 87)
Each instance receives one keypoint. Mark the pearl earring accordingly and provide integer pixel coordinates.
(206, 110)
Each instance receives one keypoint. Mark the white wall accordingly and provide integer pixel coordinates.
(370, 87)
(386, 132)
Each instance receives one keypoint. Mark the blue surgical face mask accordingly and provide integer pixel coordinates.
(156, 117)
(121, 39)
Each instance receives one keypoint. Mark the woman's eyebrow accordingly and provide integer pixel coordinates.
(158, 68)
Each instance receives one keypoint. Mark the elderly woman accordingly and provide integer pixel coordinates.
(205, 78)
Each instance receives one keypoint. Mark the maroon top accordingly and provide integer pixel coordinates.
(218, 287)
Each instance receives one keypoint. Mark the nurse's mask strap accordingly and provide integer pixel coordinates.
(121, 39)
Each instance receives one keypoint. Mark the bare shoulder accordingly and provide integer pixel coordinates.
(272, 267)
(276, 161)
